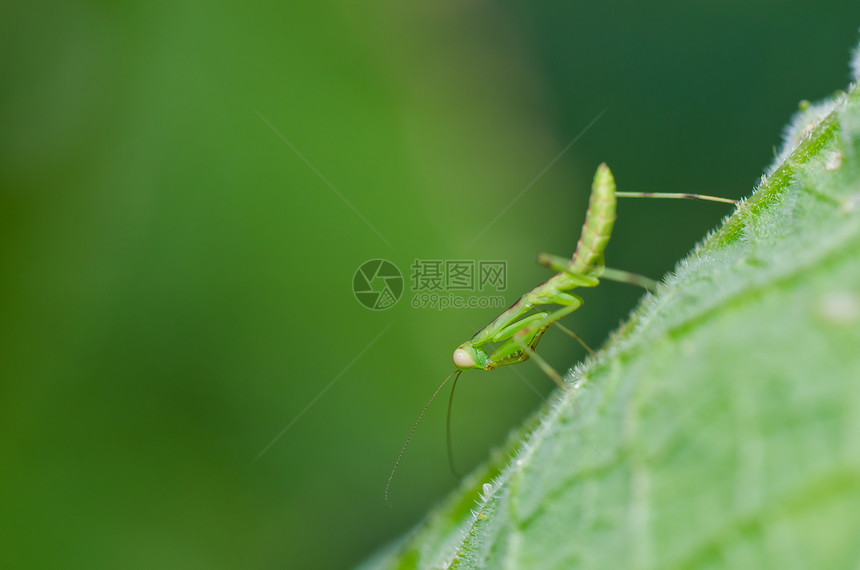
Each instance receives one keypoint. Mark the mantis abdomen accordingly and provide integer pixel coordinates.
(598, 223)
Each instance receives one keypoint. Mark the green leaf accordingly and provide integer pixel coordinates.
(720, 427)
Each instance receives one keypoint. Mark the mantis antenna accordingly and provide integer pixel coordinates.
(455, 375)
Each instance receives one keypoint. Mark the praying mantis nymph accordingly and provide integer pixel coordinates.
(518, 333)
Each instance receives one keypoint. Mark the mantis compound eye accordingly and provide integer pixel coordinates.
(463, 359)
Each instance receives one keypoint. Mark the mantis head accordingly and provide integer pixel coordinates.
(467, 357)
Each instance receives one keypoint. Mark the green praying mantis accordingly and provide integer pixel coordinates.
(515, 333)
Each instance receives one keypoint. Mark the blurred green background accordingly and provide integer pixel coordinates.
(176, 262)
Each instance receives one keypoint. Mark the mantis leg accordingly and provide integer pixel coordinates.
(561, 264)
(543, 364)
(682, 196)
(569, 304)
(528, 331)
(575, 337)
(528, 349)
(510, 352)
